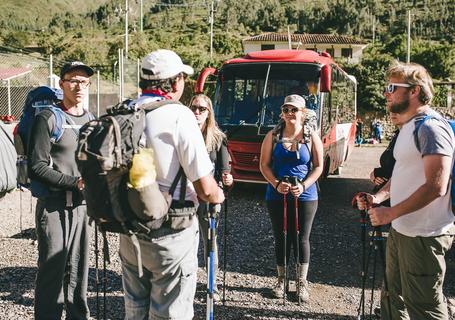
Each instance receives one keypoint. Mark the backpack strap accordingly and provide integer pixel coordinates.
(418, 121)
(57, 130)
(180, 176)
(150, 106)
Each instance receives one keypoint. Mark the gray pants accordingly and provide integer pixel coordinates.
(63, 257)
(202, 215)
(167, 288)
(415, 268)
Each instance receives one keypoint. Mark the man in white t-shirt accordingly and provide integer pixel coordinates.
(422, 224)
(169, 254)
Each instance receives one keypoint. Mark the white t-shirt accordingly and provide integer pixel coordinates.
(435, 137)
(172, 132)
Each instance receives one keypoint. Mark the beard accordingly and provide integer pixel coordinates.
(399, 107)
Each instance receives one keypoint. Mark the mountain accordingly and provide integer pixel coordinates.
(36, 14)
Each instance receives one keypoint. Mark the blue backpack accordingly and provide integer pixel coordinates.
(418, 123)
(39, 99)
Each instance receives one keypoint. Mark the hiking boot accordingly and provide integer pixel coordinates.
(303, 291)
(278, 289)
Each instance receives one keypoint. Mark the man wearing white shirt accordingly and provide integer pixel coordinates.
(422, 223)
(169, 254)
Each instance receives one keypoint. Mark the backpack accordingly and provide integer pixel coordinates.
(7, 163)
(418, 123)
(39, 99)
(104, 156)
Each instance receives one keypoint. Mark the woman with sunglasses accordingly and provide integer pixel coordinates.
(215, 141)
(293, 148)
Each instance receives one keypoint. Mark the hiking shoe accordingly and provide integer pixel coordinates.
(303, 291)
(278, 289)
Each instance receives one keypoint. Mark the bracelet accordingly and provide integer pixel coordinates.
(279, 182)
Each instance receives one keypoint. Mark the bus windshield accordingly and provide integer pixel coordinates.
(251, 94)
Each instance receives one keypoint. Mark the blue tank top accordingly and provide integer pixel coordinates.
(286, 163)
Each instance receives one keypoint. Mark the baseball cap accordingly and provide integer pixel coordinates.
(74, 65)
(294, 100)
(163, 64)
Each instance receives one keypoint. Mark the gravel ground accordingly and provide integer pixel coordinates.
(334, 270)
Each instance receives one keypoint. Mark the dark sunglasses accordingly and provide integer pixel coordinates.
(200, 108)
(286, 110)
(391, 87)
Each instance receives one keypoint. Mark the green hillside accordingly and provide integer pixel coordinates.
(93, 31)
(36, 14)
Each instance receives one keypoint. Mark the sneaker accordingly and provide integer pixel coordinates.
(278, 289)
(303, 291)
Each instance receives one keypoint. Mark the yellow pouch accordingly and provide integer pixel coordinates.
(143, 171)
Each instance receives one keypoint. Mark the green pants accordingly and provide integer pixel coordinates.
(415, 269)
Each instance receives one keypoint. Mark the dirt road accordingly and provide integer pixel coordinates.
(334, 269)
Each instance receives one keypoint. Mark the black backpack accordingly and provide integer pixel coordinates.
(104, 157)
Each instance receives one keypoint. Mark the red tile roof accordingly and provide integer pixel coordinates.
(305, 38)
(10, 73)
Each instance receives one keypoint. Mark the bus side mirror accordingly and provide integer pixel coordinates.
(326, 78)
(200, 82)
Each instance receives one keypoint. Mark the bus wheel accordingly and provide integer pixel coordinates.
(325, 172)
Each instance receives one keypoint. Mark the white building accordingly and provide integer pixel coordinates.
(337, 46)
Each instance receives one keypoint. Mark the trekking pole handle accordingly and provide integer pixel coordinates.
(215, 208)
(294, 181)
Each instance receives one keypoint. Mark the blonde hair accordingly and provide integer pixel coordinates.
(213, 136)
(415, 75)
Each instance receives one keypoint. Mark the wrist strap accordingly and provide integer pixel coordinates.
(279, 182)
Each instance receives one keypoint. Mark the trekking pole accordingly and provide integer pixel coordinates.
(97, 275)
(106, 258)
(20, 207)
(294, 182)
(380, 238)
(285, 231)
(364, 265)
(225, 243)
(213, 212)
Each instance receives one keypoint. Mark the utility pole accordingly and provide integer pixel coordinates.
(374, 28)
(211, 30)
(408, 56)
(142, 16)
(126, 29)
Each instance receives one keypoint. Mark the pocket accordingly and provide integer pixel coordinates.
(424, 289)
(182, 218)
(188, 272)
(149, 203)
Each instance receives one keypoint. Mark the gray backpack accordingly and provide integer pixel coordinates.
(8, 157)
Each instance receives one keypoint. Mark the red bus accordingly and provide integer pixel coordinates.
(250, 90)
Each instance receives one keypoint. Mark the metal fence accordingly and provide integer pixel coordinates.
(20, 73)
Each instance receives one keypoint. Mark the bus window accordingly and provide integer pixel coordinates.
(252, 94)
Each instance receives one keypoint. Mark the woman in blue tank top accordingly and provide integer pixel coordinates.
(293, 148)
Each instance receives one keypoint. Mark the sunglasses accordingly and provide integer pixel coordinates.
(200, 108)
(286, 110)
(391, 87)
